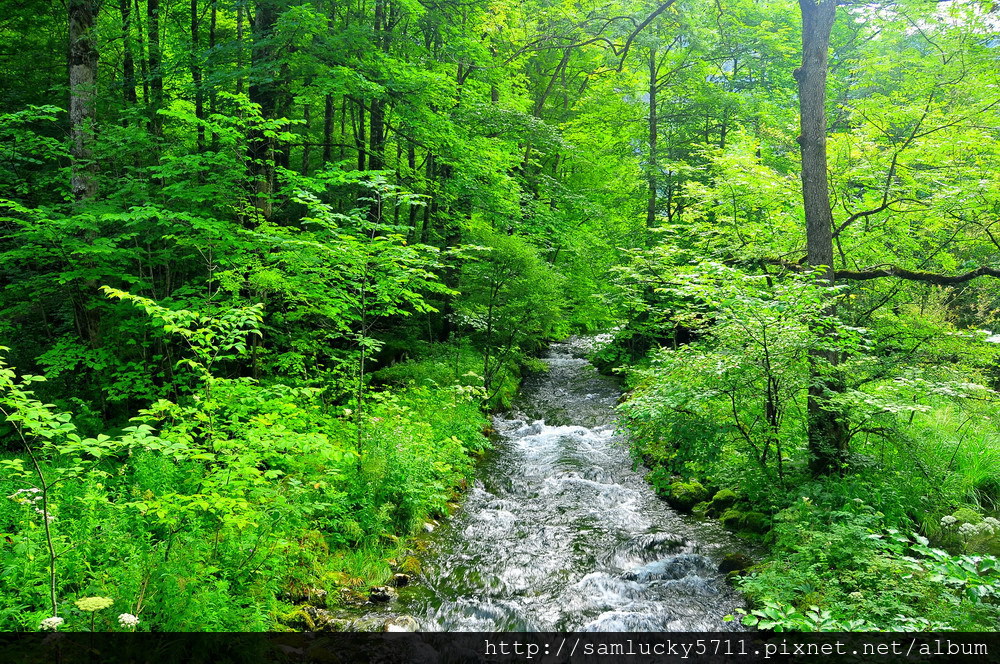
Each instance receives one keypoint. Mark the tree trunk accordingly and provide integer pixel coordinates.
(199, 93)
(128, 59)
(239, 48)
(155, 65)
(827, 433)
(213, 98)
(653, 132)
(263, 91)
(82, 82)
(359, 136)
(328, 130)
(141, 44)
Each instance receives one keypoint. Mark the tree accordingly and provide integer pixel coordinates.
(828, 435)
(82, 95)
(827, 439)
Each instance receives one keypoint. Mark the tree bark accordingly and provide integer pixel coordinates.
(213, 98)
(199, 93)
(328, 129)
(141, 45)
(653, 133)
(155, 65)
(82, 83)
(128, 59)
(827, 434)
(263, 91)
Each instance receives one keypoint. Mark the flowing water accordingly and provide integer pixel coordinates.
(562, 534)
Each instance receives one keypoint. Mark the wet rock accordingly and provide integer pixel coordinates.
(400, 580)
(382, 594)
(430, 526)
(735, 562)
(401, 624)
(368, 624)
(312, 619)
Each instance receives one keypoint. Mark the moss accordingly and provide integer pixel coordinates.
(751, 522)
(702, 509)
(731, 518)
(755, 522)
(722, 501)
(685, 495)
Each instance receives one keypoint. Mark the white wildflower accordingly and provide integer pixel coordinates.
(967, 530)
(25, 496)
(51, 624)
(948, 520)
(48, 517)
(128, 620)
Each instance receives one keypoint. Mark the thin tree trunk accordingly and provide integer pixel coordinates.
(411, 163)
(82, 83)
(653, 134)
(328, 130)
(239, 48)
(155, 65)
(199, 93)
(141, 43)
(359, 136)
(128, 59)
(307, 125)
(263, 92)
(213, 98)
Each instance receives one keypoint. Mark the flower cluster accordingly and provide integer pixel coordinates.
(26, 496)
(128, 621)
(48, 517)
(51, 624)
(93, 603)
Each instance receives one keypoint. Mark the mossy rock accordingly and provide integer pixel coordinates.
(751, 522)
(730, 519)
(755, 522)
(722, 501)
(702, 509)
(297, 618)
(735, 563)
(685, 495)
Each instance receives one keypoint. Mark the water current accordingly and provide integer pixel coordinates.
(561, 533)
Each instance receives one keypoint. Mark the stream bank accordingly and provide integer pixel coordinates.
(562, 533)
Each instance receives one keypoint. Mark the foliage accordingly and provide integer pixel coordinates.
(236, 498)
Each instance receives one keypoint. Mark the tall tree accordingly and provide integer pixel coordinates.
(82, 91)
(827, 435)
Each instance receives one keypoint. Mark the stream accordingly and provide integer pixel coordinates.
(561, 533)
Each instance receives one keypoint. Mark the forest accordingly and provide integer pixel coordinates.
(268, 267)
